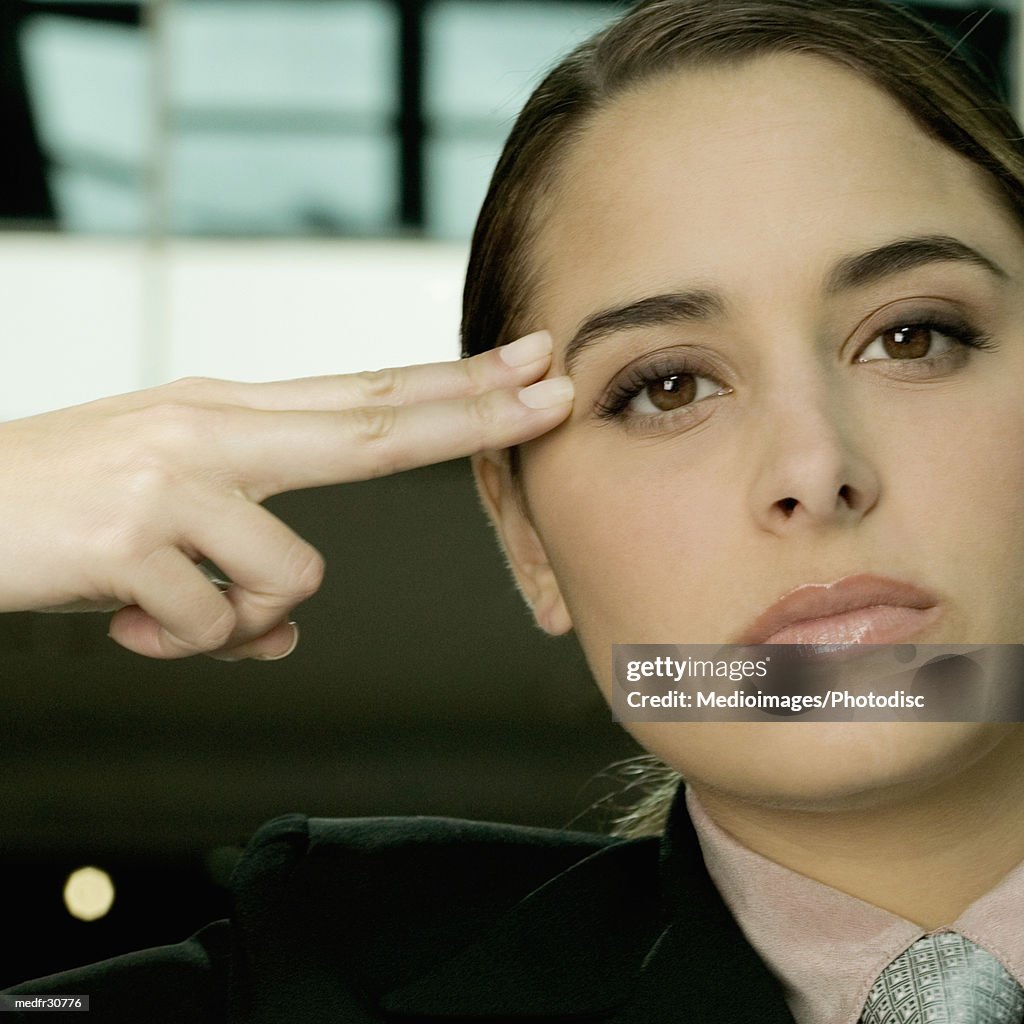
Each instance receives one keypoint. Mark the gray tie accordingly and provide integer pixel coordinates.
(944, 979)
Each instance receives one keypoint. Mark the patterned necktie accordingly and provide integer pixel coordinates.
(944, 979)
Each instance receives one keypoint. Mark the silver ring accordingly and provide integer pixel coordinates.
(218, 581)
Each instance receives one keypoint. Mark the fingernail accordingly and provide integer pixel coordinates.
(526, 350)
(546, 394)
(280, 657)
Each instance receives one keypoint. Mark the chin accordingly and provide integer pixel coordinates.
(819, 766)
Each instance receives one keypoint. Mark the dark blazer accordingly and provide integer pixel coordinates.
(415, 919)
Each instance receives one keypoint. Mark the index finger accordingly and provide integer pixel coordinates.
(516, 363)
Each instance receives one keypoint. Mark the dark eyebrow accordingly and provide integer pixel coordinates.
(904, 254)
(703, 304)
(653, 311)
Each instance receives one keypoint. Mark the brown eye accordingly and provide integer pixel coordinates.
(671, 392)
(911, 342)
(658, 392)
(656, 389)
(921, 341)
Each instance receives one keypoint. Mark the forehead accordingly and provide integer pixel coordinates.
(751, 178)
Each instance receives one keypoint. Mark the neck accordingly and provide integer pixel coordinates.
(922, 852)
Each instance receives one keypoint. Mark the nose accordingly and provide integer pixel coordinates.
(813, 467)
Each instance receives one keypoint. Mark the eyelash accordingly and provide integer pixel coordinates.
(622, 392)
(639, 377)
(960, 331)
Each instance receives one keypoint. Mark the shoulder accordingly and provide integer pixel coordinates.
(407, 860)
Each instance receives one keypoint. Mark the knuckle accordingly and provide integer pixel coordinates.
(379, 386)
(146, 484)
(486, 415)
(307, 569)
(373, 425)
(170, 424)
(122, 542)
(128, 530)
(156, 448)
(215, 633)
(478, 373)
(152, 460)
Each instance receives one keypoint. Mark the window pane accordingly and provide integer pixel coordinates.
(484, 58)
(274, 55)
(295, 184)
(88, 84)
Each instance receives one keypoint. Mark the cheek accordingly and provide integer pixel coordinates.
(636, 538)
(958, 503)
(969, 457)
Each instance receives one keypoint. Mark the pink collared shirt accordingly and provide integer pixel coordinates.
(827, 947)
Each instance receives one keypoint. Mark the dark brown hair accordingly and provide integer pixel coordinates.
(923, 72)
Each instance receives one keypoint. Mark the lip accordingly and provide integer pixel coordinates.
(861, 608)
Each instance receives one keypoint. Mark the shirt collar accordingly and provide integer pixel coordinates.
(825, 946)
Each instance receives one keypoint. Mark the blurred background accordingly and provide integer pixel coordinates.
(256, 189)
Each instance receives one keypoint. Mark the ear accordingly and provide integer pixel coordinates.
(505, 503)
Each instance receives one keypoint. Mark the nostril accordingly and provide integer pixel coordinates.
(788, 505)
(846, 494)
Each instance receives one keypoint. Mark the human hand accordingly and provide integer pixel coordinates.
(112, 505)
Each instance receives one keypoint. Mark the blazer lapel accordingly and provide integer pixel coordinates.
(701, 968)
(573, 946)
(636, 933)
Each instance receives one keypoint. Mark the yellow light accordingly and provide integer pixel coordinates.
(88, 893)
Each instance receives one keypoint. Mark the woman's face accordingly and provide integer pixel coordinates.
(807, 445)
